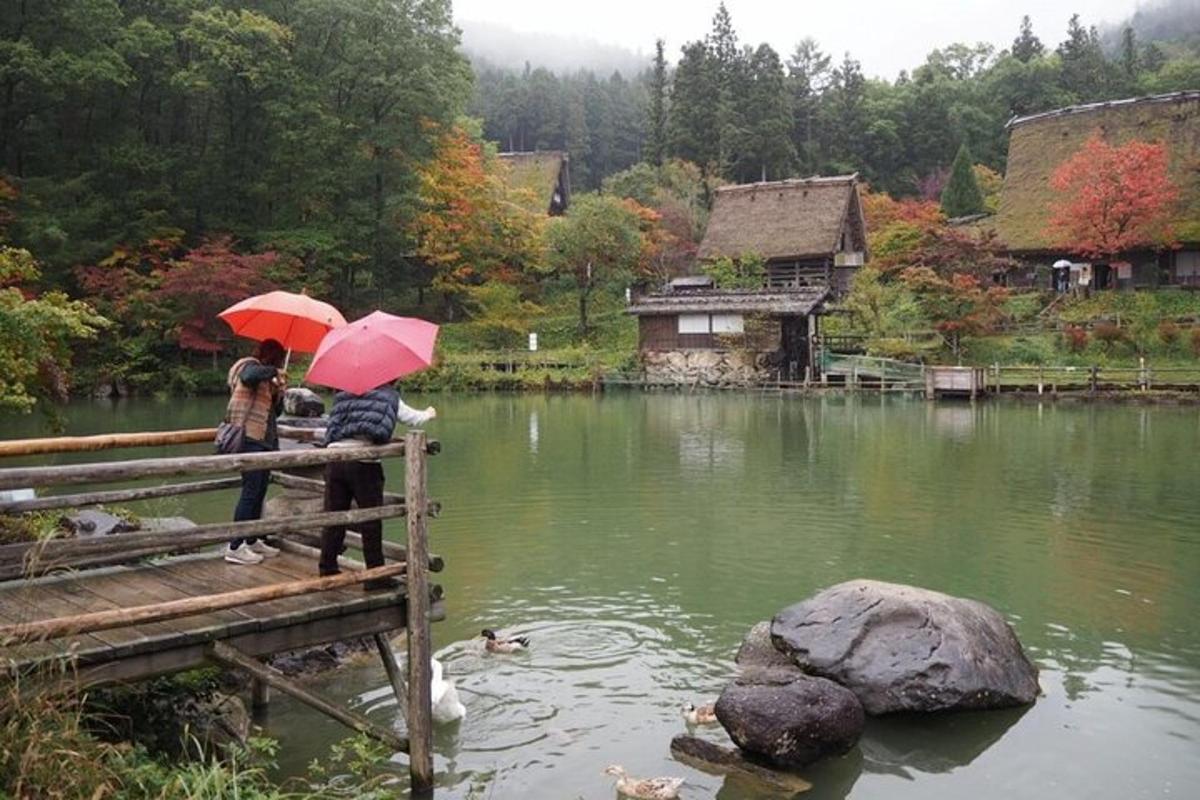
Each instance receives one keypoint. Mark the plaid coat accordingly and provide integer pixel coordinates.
(251, 407)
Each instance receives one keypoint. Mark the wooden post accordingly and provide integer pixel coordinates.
(393, 672)
(420, 705)
(1095, 377)
(105, 441)
(231, 657)
(260, 696)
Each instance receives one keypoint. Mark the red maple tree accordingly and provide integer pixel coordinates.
(1113, 198)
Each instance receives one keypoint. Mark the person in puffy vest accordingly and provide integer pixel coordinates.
(356, 420)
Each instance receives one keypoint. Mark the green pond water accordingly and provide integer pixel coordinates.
(635, 538)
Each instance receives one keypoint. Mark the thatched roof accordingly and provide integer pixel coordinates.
(732, 301)
(536, 177)
(1040, 142)
(784, 219)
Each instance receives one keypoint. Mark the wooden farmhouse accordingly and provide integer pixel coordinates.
(810, 232)
(1039, 143)
(812, 236)
(542, 179)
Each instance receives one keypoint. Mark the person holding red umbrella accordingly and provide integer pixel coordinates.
(363, 359)
(281, 322)
(256, 386)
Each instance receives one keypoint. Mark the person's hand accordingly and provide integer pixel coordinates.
(281, 379)
(431, 413)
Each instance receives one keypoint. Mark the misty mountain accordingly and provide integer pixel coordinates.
(500, 46)
(1163, 21)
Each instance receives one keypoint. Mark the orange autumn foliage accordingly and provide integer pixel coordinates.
(1113, 198)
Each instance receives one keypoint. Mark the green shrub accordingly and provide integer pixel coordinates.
(1029, 350)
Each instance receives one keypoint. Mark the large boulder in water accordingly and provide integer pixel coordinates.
(793, 722)
(301, 402)
(900, 648)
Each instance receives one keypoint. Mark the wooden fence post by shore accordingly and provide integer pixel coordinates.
(420, 707)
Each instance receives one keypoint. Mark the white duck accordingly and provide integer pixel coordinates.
(645, 788)
(446, 705)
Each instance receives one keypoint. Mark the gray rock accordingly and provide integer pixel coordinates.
(758, 650)
(900, 648)
(164, 524)
(91, 522)
(792, 724)
(301, 402)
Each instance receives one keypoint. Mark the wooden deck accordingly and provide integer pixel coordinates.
(147, 649)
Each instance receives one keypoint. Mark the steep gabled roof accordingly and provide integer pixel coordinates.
(799, 218)
(1040, 142)
(536, 177)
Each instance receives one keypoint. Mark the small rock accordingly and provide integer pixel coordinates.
(792, 724)
(301, 402)
(91, 522)
(901, 648)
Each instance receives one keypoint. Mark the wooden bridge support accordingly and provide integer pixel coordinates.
(420, 705)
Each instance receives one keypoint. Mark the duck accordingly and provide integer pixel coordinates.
(644, 788)
(444, 696)
(703, 715)
(512, 644)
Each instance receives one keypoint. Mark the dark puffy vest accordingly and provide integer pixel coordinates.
(370, 416)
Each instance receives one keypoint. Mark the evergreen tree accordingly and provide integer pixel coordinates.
(962, 196)
(1085, 70)
(1130, 58)
(656, 148)
(729, 66)
(1027, 46)
(767, 150)
(808, 76)
(691, 121)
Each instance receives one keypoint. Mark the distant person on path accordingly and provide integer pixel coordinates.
(357, 420)
(256, 386)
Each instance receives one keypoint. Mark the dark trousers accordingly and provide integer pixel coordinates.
(254, 491)
(362, 482)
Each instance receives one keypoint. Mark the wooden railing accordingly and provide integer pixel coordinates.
(29, 559)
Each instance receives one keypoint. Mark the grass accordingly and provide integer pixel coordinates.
(45, 726)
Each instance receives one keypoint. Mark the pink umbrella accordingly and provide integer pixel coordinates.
(372, 351)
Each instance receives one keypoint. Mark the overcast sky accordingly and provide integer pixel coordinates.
(885, 35)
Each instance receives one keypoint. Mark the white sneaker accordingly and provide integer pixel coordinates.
(242, 554)
(265, 550)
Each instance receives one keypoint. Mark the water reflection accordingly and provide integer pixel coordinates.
(637, 537)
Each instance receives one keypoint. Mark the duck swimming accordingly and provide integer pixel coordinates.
(704, 715)
(645, 788)
(497, 644)
(444, 696)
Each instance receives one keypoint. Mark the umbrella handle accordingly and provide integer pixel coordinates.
(287, 359)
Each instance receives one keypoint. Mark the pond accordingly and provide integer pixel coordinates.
(636, 537)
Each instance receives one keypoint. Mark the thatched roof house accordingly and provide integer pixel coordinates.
(542, 179)
(810, 231)
(1039, 143)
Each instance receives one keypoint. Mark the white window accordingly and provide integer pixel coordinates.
(1187, 263)
(728, 323)
(693, 323)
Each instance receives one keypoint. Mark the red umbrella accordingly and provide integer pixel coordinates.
(372, 351)
(296, 321)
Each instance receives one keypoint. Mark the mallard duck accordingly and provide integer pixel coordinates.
(645, 788)
(444, 696)
(511, 644)
(704, 715)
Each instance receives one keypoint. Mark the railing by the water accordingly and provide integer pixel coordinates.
(29, 559)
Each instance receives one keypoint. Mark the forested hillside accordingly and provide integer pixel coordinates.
(747, 112)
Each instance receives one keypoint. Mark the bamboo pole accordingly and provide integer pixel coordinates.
(173, 609)
(105, 441)
(23, 477)
(116, 495)
(63, 553)
(420, 706)
(231, 657)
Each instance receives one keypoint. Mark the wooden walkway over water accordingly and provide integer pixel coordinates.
(132, 606)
